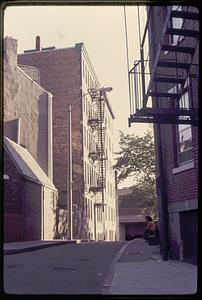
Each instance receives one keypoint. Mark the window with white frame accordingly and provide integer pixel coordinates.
(184, 131)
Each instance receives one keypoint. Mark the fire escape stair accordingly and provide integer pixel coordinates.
(182, 32)
(99, 155)
(157, 114)
(184, 15)
(165, 95)
(166, 79)
(178, 49)
(170, 64)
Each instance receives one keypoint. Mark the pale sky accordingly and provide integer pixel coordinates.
(102, 30)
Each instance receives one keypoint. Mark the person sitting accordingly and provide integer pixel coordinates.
(151, 228)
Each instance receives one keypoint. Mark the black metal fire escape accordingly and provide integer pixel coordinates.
(96, 124)
(152, 99)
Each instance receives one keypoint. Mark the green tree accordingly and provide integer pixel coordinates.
(137, 159)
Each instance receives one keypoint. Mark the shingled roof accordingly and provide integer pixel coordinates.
(26, 163)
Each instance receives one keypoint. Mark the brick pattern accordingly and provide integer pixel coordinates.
(12, 196)
(31, 72)
(60, 73)
(181, 186)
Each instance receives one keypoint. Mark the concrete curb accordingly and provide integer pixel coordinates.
(38, 246)
(106, 284)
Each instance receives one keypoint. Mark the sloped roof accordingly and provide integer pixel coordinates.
(131, 219)
(132, 215)
(26, 164)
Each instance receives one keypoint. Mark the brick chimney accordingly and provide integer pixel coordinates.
(38, 44)
(10, 52)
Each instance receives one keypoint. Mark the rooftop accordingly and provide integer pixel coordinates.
(26, 163)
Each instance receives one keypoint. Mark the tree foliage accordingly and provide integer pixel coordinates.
(137, 159)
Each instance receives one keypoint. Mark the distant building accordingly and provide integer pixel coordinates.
(131, 220)
(30, 198)
(169, 98)
(68, 74)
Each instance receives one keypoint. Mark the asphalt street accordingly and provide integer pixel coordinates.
(65, 269)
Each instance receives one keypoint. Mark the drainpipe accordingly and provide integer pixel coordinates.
(95, 220)
(19, 132)
(161, 179)
(42, 212)
(50, 138)
(162, 195)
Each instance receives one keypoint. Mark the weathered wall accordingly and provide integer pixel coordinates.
(25, 99)
(181, 185)
(60, 73)
(32, 211)
(13, 187)
(13, 224)
(50, 199)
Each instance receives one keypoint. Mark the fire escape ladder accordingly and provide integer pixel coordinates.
(169, 71)
(99, 155)
(93, 121)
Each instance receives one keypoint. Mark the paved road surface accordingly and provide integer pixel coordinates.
(65, 269)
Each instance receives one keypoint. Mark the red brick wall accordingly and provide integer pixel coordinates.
(183, 185)
(60, 73)
(13, 222)
(13, 227)
(32, 211)
(12, 187)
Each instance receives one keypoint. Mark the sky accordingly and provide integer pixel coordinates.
(102, 29)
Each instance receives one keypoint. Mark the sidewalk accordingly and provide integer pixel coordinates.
(18, 247)
(139, 270)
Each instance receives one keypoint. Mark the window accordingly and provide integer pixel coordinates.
(88, 209)
(86, 74)
(84, 136)
(91, 209)
(83, 68)
(184, 130)
(185, 143)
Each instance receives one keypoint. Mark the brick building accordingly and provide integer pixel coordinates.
(27, 109)
(131, 219)
(28, 189)
(68, 74)
(169, 99)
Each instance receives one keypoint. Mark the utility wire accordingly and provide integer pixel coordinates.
(139, 31)
(126, 35)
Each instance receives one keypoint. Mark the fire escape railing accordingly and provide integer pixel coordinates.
(155, 77)
(96, 124)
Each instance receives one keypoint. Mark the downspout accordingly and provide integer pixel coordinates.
(50, 138)
(117, 207)
(161, 186)
(42, 212)
(19, 131)
(95, 220)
